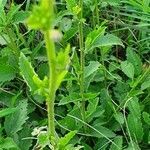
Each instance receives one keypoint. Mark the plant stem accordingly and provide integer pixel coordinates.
(51, 54)
(82, 59)
(52, 85)
(96, 12)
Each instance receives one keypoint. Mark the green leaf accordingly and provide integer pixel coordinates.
(27, 72)
(43, 139)
(103, 132)
(14, 122)
(146, 117)
(7, 73)
(4, 39)
(133, 58)
(128, 69)
(24, 144)
(73, 97)
(8, 144)
(92, 106)
(119, 117)
(71, 4)
(7, 111)
(20, 17)
(66, 139)
(93, 37)
(97, 39)
(118, 140)
(134, 107)
(146, 84)
(108, 40)
(135, 127)
(62, 64)
(70, 33)
(13, 10)
(65, 24)
(91, 68)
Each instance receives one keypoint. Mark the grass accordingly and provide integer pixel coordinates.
(74, 75)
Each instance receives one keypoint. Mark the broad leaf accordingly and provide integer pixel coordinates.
(146, 84)
(118, 140)
(119, 117)
(128, 69)
(135, 127)
(108, 40)
(7, 72)
(93, 37)
(134, 107)
(102, 132)
(91, 68)
(146, 117)
(133, 58)
(24, 133)
(98, 39)
(14, 122)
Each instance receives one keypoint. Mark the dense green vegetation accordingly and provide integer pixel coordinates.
(75, 74)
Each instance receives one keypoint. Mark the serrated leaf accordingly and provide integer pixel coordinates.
(7, 73)
(27, 72)
(128, 69)
(135, 127)
(24, 133)
(66, 139)
(14, 122)
(7, 111)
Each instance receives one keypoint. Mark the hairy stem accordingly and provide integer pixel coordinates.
(52, 85)
(51, 54)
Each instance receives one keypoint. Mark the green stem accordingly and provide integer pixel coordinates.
(96, 12)
(104, 70)
(51, 54)
(52, 85)
(82, 59)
